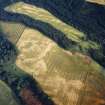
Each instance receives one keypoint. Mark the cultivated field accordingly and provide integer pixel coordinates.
(62, 74)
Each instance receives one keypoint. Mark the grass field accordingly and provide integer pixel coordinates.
(45, 16)
(12, 30)
(54, 68)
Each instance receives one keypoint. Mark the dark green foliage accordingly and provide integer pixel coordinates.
(8, 51)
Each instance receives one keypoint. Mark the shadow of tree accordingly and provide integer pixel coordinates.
(18, 80)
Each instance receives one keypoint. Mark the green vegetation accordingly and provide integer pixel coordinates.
(6, 95)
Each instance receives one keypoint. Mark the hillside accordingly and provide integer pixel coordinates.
(58, 60)
(77, 33)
